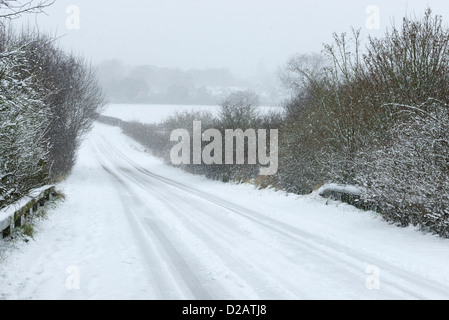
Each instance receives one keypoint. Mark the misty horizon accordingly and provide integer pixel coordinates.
(244, 38)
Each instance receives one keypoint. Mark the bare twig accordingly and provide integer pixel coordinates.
(12, 9)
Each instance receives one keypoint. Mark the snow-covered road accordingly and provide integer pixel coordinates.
(134, 228)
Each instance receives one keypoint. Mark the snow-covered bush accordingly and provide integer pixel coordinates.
(375, 117)
(48, 100)
(71, 92)
(238, 111)
(24, 120)
(411, 182)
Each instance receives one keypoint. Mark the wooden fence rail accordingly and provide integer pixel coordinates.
(20, 212)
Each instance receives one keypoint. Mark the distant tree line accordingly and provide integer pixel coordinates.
(48, 100)
(374, 116)
(156, 85)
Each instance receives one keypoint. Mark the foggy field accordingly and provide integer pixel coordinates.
(150, 113)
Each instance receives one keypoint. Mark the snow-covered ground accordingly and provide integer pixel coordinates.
(155, 113)
(134, 228)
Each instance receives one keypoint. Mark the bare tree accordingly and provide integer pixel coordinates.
(303, 68)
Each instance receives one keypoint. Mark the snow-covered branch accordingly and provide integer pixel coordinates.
(12, 9)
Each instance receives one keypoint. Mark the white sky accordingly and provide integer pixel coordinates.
(234, 34)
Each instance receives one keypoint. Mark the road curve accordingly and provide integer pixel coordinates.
(198, 245)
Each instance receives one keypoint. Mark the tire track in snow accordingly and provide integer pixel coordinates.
(177, 261)
(255, 277)
(410, 283)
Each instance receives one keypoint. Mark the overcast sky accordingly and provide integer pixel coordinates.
(235, 34)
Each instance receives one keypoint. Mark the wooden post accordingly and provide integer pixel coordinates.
(6, 232)
(18, 223)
